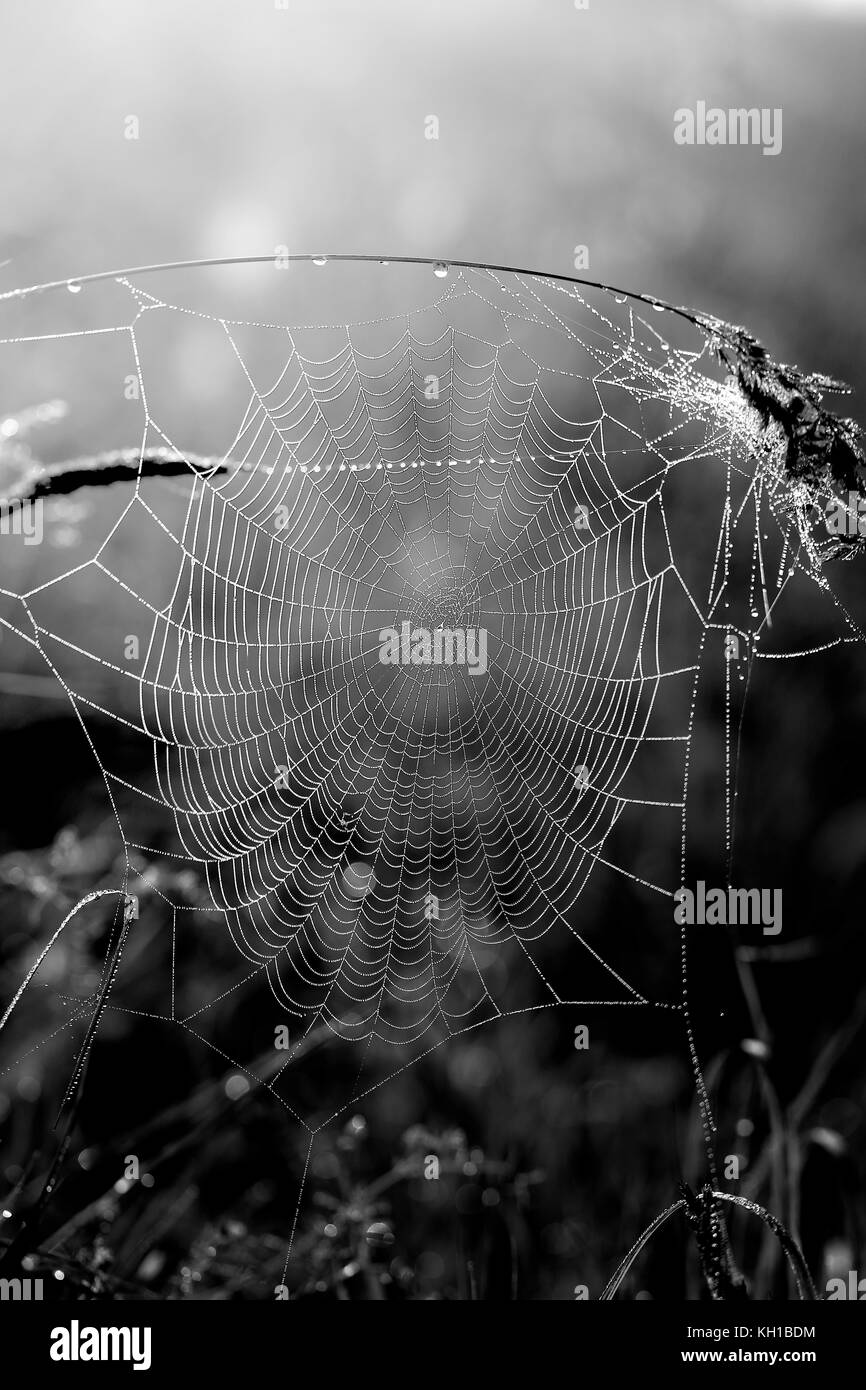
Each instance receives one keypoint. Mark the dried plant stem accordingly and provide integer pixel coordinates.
(803, 1279)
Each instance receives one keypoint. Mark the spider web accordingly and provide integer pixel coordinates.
(404, 851)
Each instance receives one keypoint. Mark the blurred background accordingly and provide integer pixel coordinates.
(305, 127)
(260, 127)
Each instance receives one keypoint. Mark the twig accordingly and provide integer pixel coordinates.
(115, 466)
(821, 447)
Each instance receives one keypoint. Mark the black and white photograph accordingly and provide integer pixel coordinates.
(432, 678)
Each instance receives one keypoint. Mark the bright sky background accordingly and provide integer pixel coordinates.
(305, 127)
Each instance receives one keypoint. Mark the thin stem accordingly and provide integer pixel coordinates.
(805, 1285)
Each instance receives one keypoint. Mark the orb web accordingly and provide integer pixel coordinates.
(403, 848)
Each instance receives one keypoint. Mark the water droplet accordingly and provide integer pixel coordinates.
(384, 262)
(236, 1086)
(621, 298)
(379, 1236)
(320, 260)
(73, 287)
(440, 269)
(659, 308)
(754, 612)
